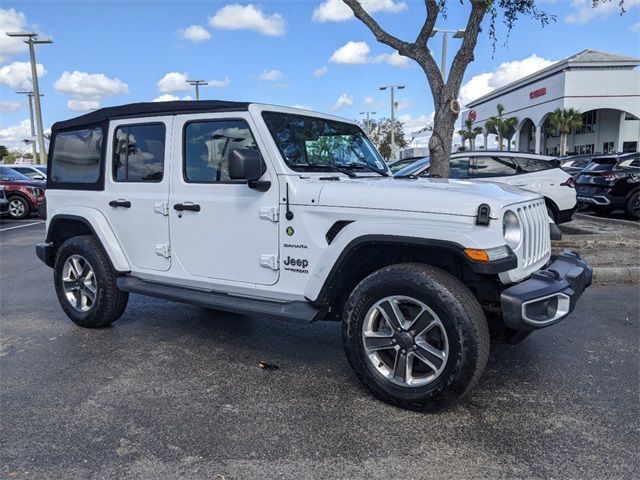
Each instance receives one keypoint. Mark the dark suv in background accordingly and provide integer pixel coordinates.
(610, 182)
(24, 195)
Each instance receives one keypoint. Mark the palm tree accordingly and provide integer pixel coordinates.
(500, 125)
(563, 120)
(469, 133)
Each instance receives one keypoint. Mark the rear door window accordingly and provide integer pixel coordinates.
(138, 153)
(529, 165)
(459, 167)
(487, 167)
(601, 165)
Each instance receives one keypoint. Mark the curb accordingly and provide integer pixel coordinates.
(609, 275)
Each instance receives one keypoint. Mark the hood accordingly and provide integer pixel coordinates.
(428, 195)
(22, 183)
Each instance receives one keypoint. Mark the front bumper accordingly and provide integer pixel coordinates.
(4, 206)
(549, 296)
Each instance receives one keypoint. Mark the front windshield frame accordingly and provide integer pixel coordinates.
(12, 175)
(363, 160)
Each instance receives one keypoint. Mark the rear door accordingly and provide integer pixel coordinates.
(137, 188)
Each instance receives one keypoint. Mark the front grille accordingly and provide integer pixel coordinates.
(536, 238)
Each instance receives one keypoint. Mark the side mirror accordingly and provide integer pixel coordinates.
(246, 164)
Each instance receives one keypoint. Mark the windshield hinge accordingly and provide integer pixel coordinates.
(269, 261)
(270, 213)
(163, 250)
(161, 207)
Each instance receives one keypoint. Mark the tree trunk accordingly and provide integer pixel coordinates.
(500, 139)
(444, 124)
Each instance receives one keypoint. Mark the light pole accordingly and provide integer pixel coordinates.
(393, 116)
(33, 128)
(443, 62)
(32, 40)
(197, 83)
(367, 124)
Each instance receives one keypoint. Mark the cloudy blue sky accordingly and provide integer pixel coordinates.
(308, 53)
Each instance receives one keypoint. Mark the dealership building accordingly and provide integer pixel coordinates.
(604, 87)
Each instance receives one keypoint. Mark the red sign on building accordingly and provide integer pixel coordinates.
(472, 115)
(538, 93)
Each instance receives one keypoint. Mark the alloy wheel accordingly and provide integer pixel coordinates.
(16, 208)
(79, 283)
(405, 341)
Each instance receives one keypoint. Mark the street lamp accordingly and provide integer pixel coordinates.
(367, 124)
(456, 34)
(32, 40)
(393, 116)
(197, 83)
(33, 131)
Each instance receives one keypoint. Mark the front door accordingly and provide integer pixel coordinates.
(137, 189)
(223, 229)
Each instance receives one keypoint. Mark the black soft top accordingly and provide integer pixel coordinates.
(147, 109)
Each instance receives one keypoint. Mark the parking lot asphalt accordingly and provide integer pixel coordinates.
(174, 391)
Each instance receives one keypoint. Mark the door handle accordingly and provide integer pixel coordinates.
(192, 207)
(120, 203)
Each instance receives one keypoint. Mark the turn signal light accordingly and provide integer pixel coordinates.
(477, 255)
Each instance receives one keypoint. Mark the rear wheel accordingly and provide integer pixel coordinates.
(632, 208)
(415, 336)
(86, 283)
(19, 208)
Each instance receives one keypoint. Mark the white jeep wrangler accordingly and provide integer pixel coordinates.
(276, 211)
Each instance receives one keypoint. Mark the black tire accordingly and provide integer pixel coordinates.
(19, 207)
(601, 209)
(108, 302)
(552, 213)
(459, 313)
(632, 207)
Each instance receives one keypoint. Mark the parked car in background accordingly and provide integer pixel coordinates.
(4, 203)
(398, 164)
(31, 171)
(537, 173)
(24, 195)
(610, 182)
(575, 164)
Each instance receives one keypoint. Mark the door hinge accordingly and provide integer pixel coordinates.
(269, 261)
(162, 208)
(163, 250)
(270, 213)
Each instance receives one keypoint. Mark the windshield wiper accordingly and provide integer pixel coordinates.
(341, 170)
(366, 166)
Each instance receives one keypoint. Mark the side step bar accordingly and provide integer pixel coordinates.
(222, 301)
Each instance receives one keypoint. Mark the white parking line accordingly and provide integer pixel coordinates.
(21, 226)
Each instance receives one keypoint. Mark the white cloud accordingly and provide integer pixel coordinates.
(302, 107)
(88, 89)
(343, 101)
(247, 17)
(89, 85)
(338, 11)
(582, 11)
(220, 83)
(507, 72)
(167, 97)
(351, 53)
(17, 75)
(78, 105)
(173, 82)
(370, 102)
(13, 135)
(271, 75)
(10, 106)
(319, 72)
(411, 125)
(394, 59)
(195, 33)
(11, 20)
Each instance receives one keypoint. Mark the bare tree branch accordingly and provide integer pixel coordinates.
(382, 36)
(465, 54)
(429, 23)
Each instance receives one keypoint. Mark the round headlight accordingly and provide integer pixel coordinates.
(511, 229)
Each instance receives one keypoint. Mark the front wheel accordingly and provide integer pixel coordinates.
(19, 208)
(86, 283)
(415, 336)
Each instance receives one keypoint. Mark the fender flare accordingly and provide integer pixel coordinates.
(97, 223)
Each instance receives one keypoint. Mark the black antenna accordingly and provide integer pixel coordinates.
(289, 214)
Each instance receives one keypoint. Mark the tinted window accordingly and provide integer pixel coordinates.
(76, 156)
(601, 165)
(492, 167)
(138, 153)
(9, 174)
(528, 165)
(459, 167)
(207, 147)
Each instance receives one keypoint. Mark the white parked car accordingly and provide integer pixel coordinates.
(537, 173)
(34, 172)
(282, 212)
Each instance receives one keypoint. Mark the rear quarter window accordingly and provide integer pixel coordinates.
(77, 158)
(529, 165)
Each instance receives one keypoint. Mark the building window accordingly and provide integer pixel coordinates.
(607, 147)
(588, 122)
(629, 147)
(584, 149)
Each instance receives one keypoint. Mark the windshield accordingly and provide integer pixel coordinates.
(311, 144)
(416, 168)
(9, 175)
